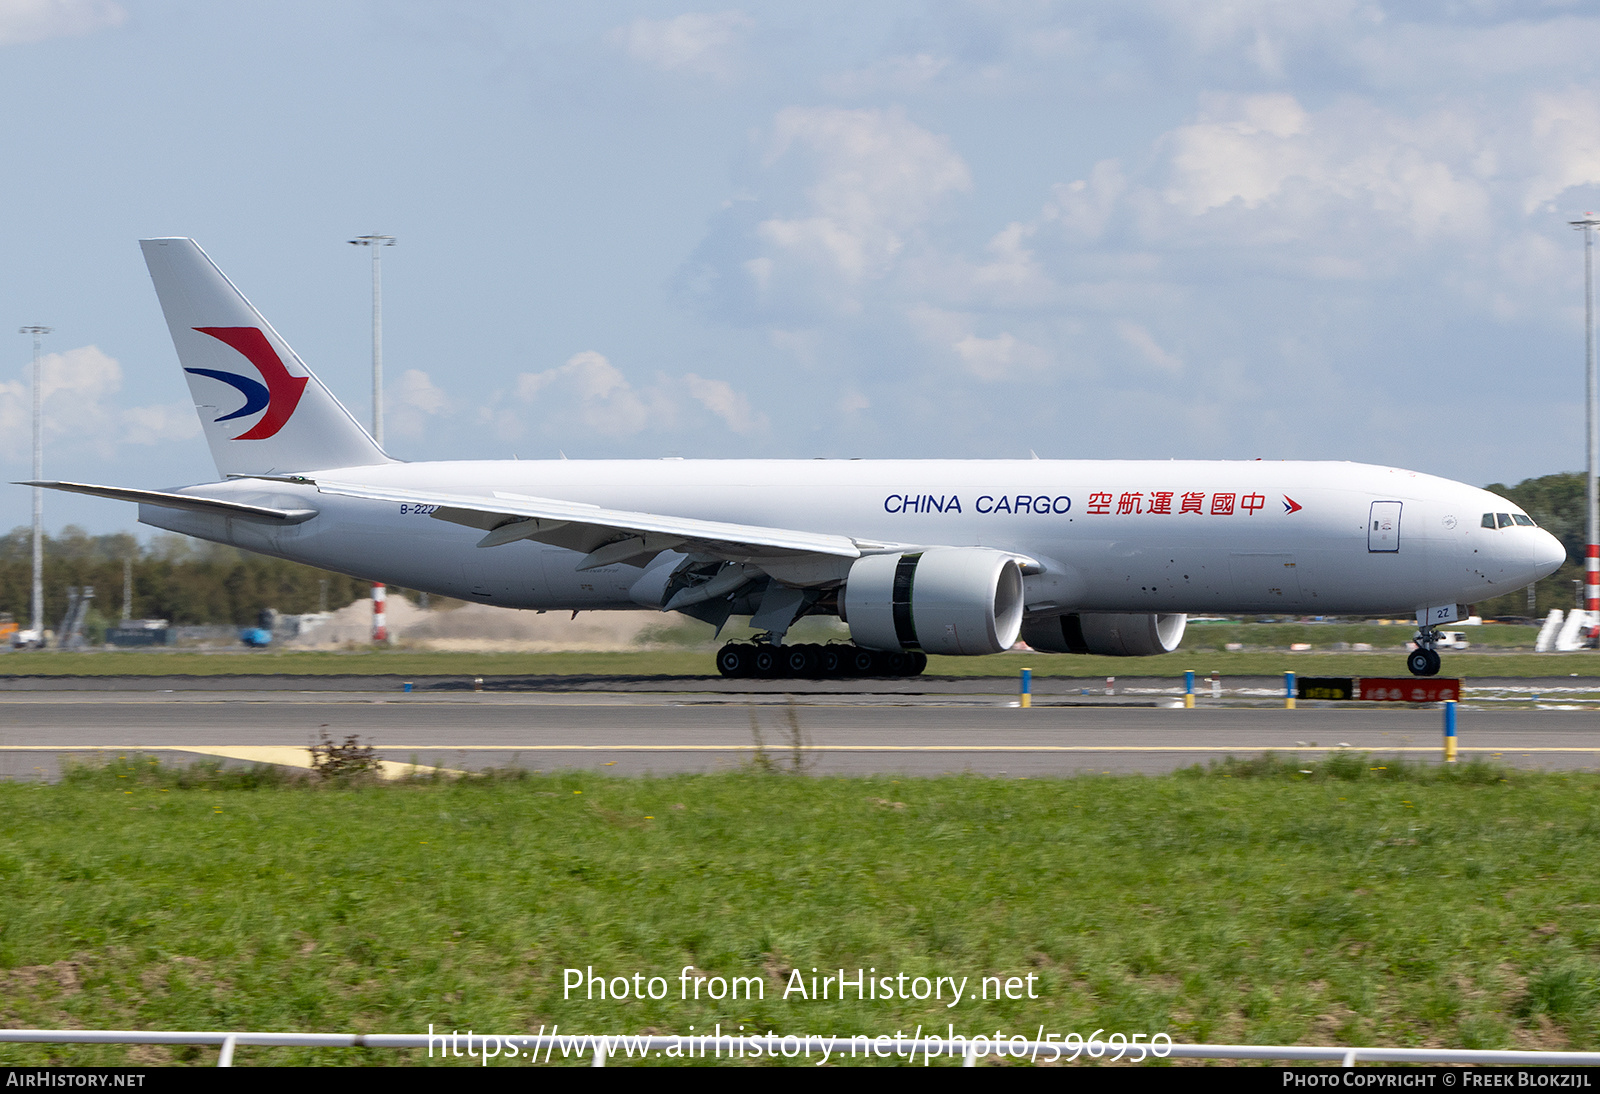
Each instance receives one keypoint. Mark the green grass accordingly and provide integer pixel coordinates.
(401, 662)
(1272, 901)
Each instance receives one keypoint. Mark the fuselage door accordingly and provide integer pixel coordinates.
(1383, 527)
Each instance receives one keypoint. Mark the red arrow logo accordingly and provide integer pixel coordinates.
(284, 390)
(1290, 505)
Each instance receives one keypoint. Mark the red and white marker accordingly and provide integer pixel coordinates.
(380, 624)
(1591, 566)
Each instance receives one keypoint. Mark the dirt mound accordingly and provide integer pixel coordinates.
(479, 627)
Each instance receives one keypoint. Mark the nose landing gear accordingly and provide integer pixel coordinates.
(1425, 659)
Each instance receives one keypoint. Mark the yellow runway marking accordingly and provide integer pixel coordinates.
(292, 756)
(277, 755)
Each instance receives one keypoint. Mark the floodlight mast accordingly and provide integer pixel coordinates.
(375, 243)
(36, 618)
(1591, 561)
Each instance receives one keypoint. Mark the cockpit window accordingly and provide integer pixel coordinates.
(1488, 520)
(1504, 519)
(1523, 520)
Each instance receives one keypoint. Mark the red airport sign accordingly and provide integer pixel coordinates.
(1407, 689)
(1397, 689)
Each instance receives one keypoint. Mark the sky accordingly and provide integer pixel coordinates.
(1192, 229)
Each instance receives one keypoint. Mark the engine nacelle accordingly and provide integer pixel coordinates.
(1113, 634)
(960, 600)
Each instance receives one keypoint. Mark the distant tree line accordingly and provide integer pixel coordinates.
(176, 578)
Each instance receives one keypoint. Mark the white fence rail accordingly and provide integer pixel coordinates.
(601, 1047)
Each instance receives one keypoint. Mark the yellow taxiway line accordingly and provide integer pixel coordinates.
(277, 755)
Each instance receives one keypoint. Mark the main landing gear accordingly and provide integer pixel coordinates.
(1425, 660)
(760, 659)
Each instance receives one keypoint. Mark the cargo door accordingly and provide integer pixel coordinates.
(1383, 527)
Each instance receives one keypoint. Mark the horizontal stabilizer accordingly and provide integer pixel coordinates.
(188, 502)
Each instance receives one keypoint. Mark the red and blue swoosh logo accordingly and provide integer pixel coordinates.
(278, 396)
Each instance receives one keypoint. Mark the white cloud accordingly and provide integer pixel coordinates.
(1012, 264)
(1367, 185)
(719, 397)
(879, 177)
(1565, 134)
(155, 424)
(597, 393)
(1147, 347)
(411, 402)
(695, 42)
(1001, 357)
(79, 409)
(23, 21)
(606, 402)
(1084, 207)
(1247, 157)
(86, 373)
(852, 402)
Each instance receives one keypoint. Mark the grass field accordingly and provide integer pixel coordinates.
(1272, 902)
(401, 662)
(685, 651)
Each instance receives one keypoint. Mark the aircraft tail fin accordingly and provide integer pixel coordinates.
(264, 412)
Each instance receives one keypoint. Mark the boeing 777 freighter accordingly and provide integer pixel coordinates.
(914, 556)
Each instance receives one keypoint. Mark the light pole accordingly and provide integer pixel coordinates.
(1591, 561)
(37, 618)
(375, 243)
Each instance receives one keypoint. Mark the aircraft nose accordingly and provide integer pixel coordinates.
(1548, 553)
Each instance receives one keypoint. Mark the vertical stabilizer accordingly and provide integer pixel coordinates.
(263, 411)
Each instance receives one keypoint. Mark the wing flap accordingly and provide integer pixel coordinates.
(591, 529)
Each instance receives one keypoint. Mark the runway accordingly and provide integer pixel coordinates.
(971, 725)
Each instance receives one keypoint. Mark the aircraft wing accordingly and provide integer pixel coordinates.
(609, 536)
(188, 502)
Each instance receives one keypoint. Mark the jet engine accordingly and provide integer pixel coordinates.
(953, 600)
(1111, 634)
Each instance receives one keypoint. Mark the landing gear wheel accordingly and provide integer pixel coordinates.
(831, 660)
(766, 661)
(1424, 662)
(800, 660)
(919, 663)
(734, 659)
(860, 662)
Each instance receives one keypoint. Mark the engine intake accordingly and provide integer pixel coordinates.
(1112, 634)
(952, 600)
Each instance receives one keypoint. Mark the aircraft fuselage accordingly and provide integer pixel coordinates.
(1108, 536)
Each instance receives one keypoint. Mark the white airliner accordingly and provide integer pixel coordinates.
(914, 556)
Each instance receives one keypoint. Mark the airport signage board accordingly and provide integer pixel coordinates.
(1408, 689)
(1397, 689)
(1326, 687)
